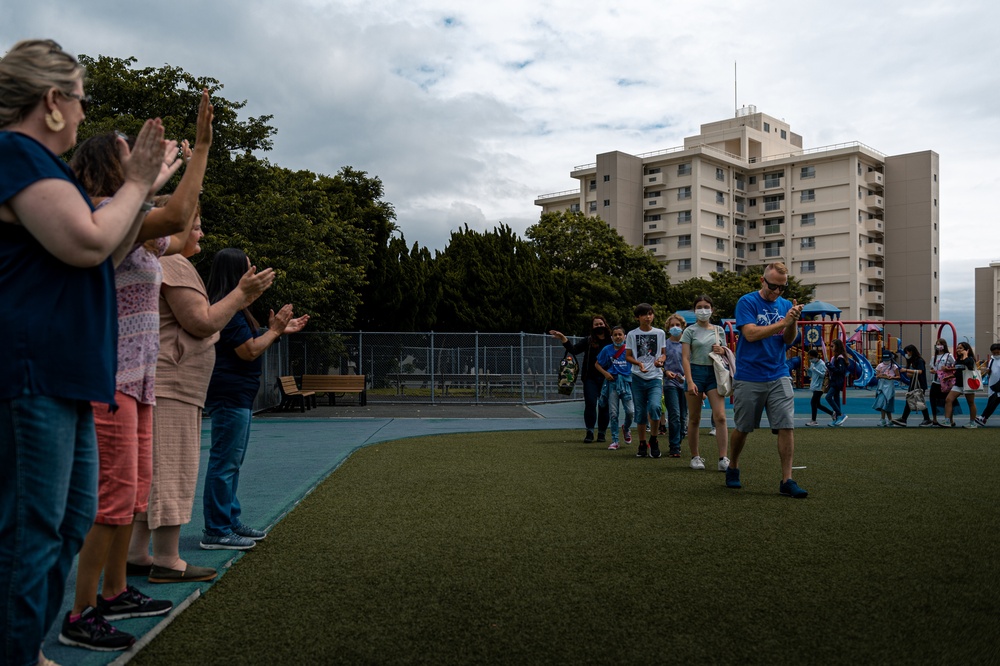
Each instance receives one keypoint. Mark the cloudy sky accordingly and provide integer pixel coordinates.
(467, 111)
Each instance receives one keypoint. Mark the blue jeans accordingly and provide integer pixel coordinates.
(230, 437)
(614, 397)
(647, 394)
(677, 414)
(48, 500)
(592, 413)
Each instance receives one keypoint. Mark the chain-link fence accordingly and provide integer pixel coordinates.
(453, 368)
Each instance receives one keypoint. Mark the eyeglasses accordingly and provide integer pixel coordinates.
(84, 100)
(775, 287)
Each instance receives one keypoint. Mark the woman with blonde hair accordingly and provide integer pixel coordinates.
(58, 328)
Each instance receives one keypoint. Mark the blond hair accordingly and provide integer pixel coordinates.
(778, 267)
(28, 71)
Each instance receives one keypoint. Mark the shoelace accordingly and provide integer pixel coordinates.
(99, 626)
(136, 596)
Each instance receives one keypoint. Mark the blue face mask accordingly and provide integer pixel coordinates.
(675, 331)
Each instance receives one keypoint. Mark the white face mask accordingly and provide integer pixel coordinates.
(703, 314)
(996, 357)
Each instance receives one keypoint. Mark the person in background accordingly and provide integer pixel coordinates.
(817, 373)
(992, 379)
(943, 372)
(887, 372)
(617, 371)
(590, 347)
(58, 329)
(229, 402)
(965, 361)
(916, 373)
(675, 385)
(837, 369)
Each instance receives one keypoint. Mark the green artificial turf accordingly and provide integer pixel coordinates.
(531, 547)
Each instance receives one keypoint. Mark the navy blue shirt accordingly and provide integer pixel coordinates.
(58, 323)
(234, 381)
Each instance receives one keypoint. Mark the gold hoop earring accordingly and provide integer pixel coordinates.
(54, 120)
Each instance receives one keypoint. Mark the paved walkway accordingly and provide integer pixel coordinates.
(291, 453)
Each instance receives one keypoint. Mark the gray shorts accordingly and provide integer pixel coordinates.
(750, 399)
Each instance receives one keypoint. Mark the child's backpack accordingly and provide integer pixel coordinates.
(567, 374)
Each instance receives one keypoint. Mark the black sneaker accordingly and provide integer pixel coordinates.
(654, 447)
(601, 436)
(132, 603)
(93, 632)
(589, 437)
(663, 429)
(643, 450)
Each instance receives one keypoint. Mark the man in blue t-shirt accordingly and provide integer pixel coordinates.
(767, 324)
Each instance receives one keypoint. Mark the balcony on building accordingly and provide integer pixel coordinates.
(659, 250)
(741, 185)
(653, 179)
(741, 230)
(874, 179)
(774, 206)
(767, 230)
(876, 248)
(875, 273)
(875, 226)
(774, 252)
(651, 204)
(875, 201)
(771, 183)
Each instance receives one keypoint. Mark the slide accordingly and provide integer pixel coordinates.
(867, 371)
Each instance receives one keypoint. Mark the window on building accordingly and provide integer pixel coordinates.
(684, 217)
(767, 127)
(935, 299)
(720, 267)
(652, 195)
(808, 243)
(593, 185)
(607, 179)
(720, 198)
(752, 180)
(773, 179)
(574, 208)
(808, 172)
(773, 203)
(807, 195)
(653, 218)
(773, 226)
(684, 169)
(684, 241)
(935, 203)
(935, 275)
(784, 135)
(720, 244)
(808, 219)
(607, 202)
(720, 221)
(773, 249)
(753, 247)
(593, 206)
(720, 174)
(753, 203)
(653, 241)
(753, 224)
(859, 168)
(653, 170)
(860, 194)
(808, 266)
(935, 178)
(741, 230)
(683, 265)
(684, 193)
(651, 226)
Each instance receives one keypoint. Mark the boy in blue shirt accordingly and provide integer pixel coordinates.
(613, 364)
(768, 323)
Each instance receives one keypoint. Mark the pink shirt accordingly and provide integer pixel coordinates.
(137, 281)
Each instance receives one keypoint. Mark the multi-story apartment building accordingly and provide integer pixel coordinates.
(987, 319)
(860, 225)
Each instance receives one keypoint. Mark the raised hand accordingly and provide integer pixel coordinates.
(297, 324)
(206, 113)
(278, 322)
(253, 284)
(142, 163)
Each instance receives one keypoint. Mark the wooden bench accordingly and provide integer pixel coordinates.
(331, 385)
(292, 395)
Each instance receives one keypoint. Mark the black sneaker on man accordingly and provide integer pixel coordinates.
(93, 632)
(654, 447)
(132, 603)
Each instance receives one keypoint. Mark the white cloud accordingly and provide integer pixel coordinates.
(474, 109)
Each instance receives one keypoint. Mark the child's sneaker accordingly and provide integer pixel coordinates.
(654, 447)
(132, 603)
(812, 424)
(93, 632)
(723, 464)
(971, 424)
(674, 454)
(981, 422)
(601, 437)
(712, 431)
(628, 435)
(613, 446)
(663, 429)
(643, 450)
(881, 423)
(733, 478)
(899, 423)
(697, 462)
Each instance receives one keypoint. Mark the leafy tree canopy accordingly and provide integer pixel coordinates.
(727, 288)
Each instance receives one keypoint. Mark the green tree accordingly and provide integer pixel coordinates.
(596, 271)
(318, 232)
(728, 287)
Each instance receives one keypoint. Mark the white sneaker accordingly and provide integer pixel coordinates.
(712, 431)
(697, 462)
(971, 424)
(812, 423)
(723, 464)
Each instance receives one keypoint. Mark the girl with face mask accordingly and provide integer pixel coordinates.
(965, 361)
(696, 343)
(915, 370)
(674, 386)
(943, 372)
